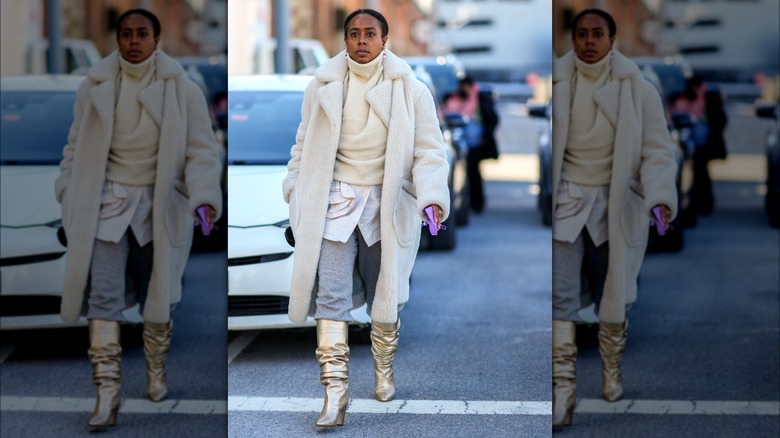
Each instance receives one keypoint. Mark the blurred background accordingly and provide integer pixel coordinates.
(480, 290)
(707, 321)
(47, 47)
(85, 30)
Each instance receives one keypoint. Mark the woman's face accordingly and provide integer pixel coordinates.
(364, 40)
(591, 39)
(136, 38)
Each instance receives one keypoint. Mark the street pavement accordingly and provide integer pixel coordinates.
(702, 358)
(46, 378)
(474, 354)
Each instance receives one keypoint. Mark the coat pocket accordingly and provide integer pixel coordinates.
(633, 218)
(406, 218)
(178, 218)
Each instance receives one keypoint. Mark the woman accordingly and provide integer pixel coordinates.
(140, 159)
(612, 165)
(477, 106)
(705, 108)
(368, 159)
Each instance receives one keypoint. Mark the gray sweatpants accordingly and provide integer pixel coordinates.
(577, 266)
(111, 264)
(335, 275)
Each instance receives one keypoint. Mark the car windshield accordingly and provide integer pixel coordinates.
(444, 79)
(671, 77)
(34, 127)
(262, 125)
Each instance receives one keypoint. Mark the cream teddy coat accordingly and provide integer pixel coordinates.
(188, 172)
(415, 176)
(643, 169)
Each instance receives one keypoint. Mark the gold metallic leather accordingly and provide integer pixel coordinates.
(612, 343)
(105, 354)
(564, 355)
(157, 342)
(384, 343)
(333, 355)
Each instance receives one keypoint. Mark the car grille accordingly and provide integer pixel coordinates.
(25, 305)
(252, 260)
(252, 305)
(26, 260)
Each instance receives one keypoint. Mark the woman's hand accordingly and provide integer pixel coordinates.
(437, 214)
(210, 213)
(666, 215)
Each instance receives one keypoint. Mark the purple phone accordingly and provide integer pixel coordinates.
(204, 223)
(659, 222)
(431, 223)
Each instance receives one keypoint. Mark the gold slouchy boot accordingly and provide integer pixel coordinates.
(157, 341)
(333, 355)
(105, 353)
(384, 343)
(564, 355)
(612, 343)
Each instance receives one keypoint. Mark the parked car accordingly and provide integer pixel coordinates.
(662, 73)
(772, 199)
(264, 113)
(210, 74)
(544, 151)
(671, 71)
(446, 71)
(36, 112)
(307, 56)
(457, 182)
(213, 69)
(79, 56)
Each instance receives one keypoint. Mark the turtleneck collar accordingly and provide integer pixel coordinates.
(139, 70)
(593, 71)
(368, 70)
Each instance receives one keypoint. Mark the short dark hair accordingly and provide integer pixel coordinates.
(601, 13)
(153, 18)
(371, 12)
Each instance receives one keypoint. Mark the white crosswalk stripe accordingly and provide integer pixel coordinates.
(129, 406)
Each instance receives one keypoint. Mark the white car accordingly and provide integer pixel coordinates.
(263, 117)
(36, 113)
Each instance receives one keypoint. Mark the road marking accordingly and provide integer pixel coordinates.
(460, 407)
(129, 406)
(371, 406)
(678, 407)
(5, 351)
(239, 344)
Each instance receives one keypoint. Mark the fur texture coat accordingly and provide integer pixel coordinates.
(643, 169)
(415, 176)
(188, 173)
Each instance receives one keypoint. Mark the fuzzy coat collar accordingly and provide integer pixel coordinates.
(622, 67)
(335, 69)
(107, 68)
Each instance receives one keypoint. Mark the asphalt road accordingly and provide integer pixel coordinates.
(476, 329)
(706, 326)
(49, 371)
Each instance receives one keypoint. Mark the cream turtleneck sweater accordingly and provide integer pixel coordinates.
(132, 159)
(360, 159)
(588, 156)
